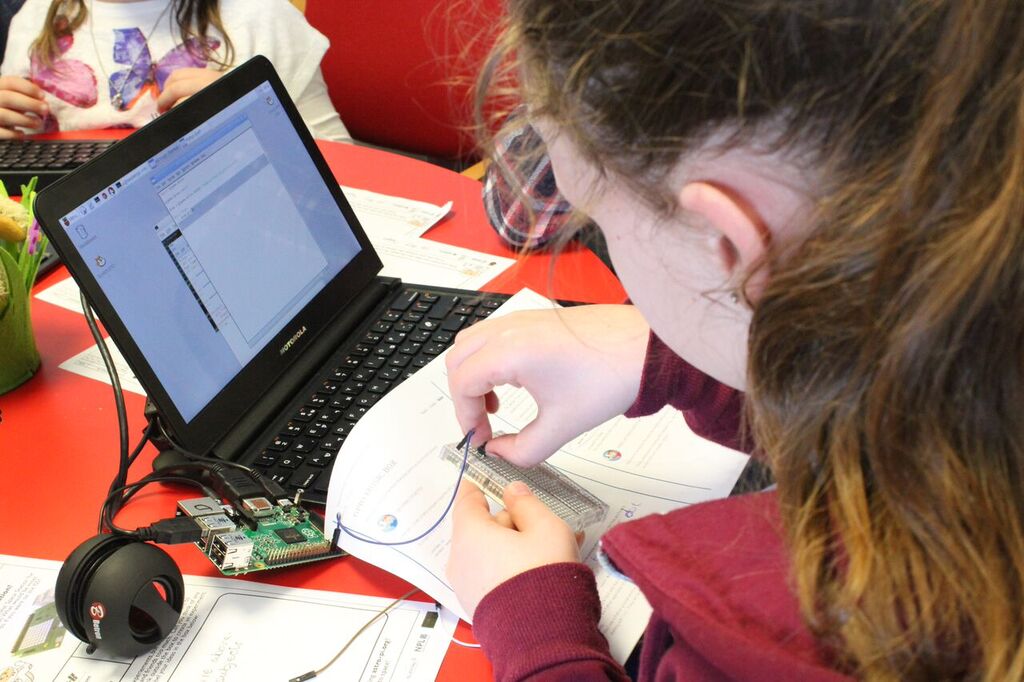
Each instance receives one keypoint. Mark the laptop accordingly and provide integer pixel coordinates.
(221, 255)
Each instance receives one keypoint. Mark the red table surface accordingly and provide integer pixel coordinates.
(59, 440)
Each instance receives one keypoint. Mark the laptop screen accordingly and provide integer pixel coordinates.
(229, 231)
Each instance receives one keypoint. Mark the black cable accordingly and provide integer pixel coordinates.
(252, 473)
(127, 491)
(122, 413)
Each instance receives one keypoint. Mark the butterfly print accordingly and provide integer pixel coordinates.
(142, 74)
(70, 80)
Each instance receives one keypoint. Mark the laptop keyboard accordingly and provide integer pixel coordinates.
(417, 327)
(48, 160)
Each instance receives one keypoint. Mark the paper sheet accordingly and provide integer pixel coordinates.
(64, 293)
(390, 484)
(229, 631)
(385, 215)
(394, 225)
(421, 261)
(89, 363)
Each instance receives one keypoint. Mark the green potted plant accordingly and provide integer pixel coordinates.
(22, 245)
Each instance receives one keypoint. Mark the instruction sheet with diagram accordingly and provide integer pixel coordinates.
(229, 631)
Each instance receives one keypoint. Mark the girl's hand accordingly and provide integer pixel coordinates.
(21, 106)
(582, 366)
(182, 84)
(488, 550)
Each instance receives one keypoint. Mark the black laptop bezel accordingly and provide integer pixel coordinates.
(214, 420)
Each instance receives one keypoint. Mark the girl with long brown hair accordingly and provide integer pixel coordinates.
(79, 64)
(820, 203)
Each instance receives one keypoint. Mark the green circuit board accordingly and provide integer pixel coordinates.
(263, 535)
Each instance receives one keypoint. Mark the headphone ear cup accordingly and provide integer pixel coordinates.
(119, 594)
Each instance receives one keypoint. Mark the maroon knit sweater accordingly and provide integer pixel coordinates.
(715, 574)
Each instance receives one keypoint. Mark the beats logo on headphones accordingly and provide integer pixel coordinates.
(121, 595)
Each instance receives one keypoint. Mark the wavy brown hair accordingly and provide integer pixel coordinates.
(886, 374)
(193, 17)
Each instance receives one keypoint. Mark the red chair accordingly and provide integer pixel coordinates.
(401, 73)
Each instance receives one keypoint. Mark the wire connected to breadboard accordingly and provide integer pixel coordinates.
(464, 443)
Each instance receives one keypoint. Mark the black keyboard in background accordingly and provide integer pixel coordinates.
(21, 160)
(417, 327)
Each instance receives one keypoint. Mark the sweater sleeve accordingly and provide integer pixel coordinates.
(712, 409)
(542, 625)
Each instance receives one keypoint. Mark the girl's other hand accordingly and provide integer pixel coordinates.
(488, 550)
(21, 106)
(182, 84)
(582, 365)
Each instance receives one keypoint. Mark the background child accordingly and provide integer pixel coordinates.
(82, 64)
(821, 203)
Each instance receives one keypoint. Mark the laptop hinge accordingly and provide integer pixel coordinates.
(269, 405)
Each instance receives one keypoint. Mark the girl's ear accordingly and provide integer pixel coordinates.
(741, 237)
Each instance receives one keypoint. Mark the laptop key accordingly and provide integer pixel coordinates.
(443, 307)
(317, 430)
(405, 300)
(355, 413)
(331, 443)
(305, 414)
(419, 336)
(399, 360)
(386, 350)
(379, 386)
(353, 387)
(280, 444)
(367, 400)
(304, 478)
(290, 461)
(363, 374)
(454, 323)
(329, 415)
(265, 460)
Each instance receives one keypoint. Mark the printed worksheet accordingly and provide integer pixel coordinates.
(229, 631)
(390, 483)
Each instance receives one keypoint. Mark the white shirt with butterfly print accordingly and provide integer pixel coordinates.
(82, 85)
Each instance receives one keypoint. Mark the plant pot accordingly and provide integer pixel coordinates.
(19, 357)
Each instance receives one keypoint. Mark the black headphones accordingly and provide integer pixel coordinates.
(119, 594)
